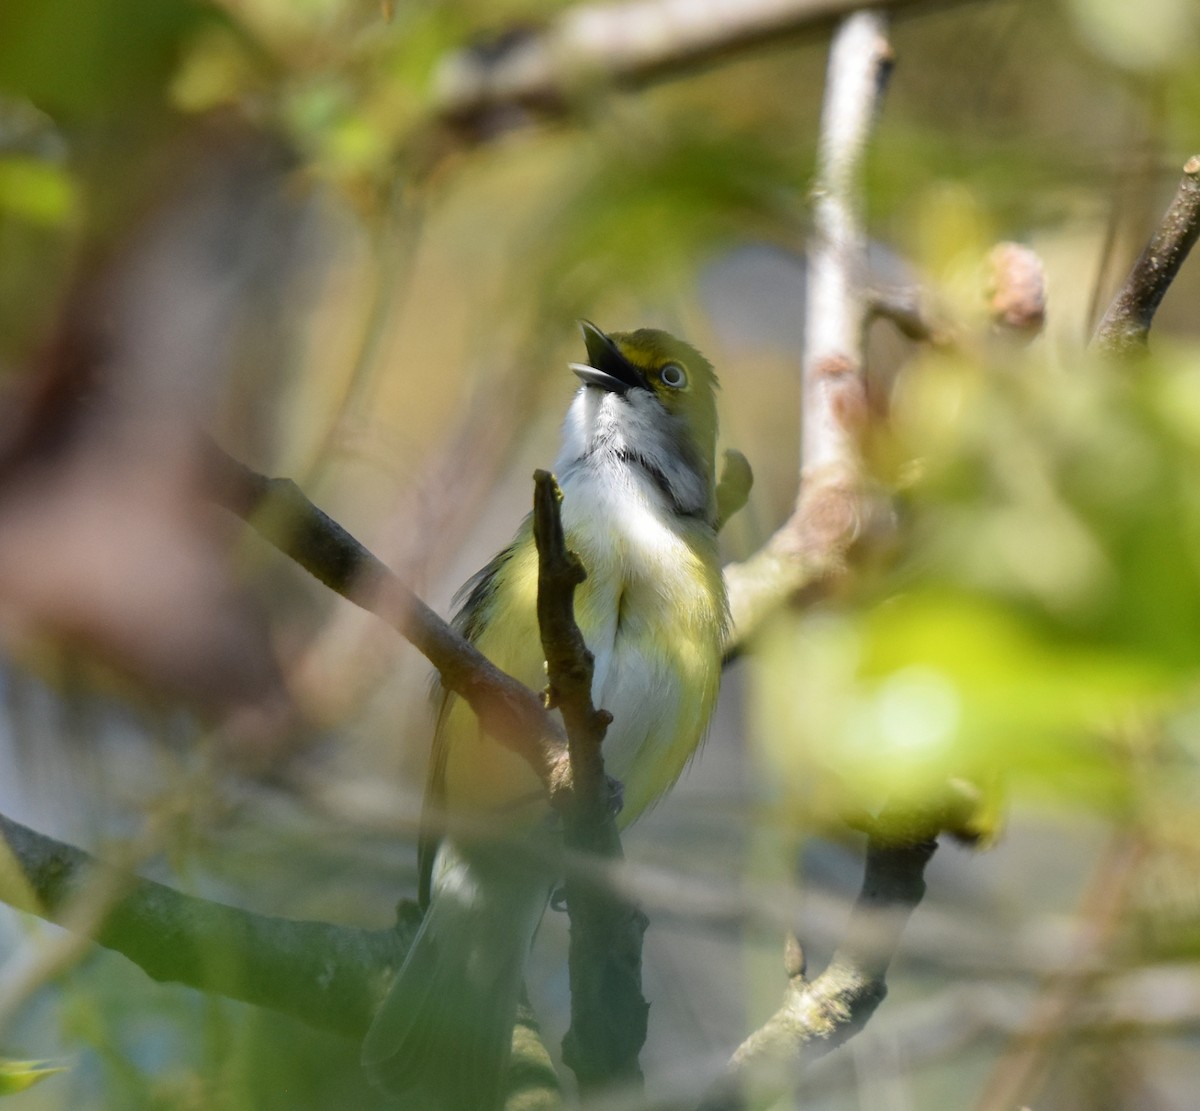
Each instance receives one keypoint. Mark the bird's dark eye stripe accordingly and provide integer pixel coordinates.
(672, 375)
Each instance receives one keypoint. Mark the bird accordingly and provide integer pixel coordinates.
(639, 508)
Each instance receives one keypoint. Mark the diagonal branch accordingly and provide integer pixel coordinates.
(328, 976)
(1126, 325)
(279, 511)
(819, 1015)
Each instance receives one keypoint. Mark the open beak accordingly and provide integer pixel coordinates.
(606, 366)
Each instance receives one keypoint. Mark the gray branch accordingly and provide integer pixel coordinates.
(1126, 325)
(831, 509)
(536, 72)
(328, 976)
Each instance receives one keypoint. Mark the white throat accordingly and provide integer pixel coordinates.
(630, 440)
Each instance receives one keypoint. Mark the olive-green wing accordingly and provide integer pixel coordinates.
(474, 601)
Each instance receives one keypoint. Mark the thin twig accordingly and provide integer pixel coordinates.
(1021, 1069)
(569, 664)
(904, 307)
(608, 1011)
(1126, 325)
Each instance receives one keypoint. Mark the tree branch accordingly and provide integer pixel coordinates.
(528, 73)
(830, 510)
(328, 976)
(1126, 325)
(279, 511)
(608, 1011)
(821, 1014)
(912, 318)
(817, 1016)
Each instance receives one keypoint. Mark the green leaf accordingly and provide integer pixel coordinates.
(16, 1076)
(96, 60)
(37, 192)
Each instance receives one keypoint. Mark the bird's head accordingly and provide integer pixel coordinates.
(648, 401)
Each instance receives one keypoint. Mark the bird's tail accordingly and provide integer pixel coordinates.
(441, 1039)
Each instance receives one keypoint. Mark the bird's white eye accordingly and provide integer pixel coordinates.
(672, 375)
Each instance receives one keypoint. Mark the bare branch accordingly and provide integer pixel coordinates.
(1126, 324)
(608, 1011)
(830, 511)
(328, 976)
(834, 397)
(1021, 1069)
(569, 663)
(913, 319)
(819, 1015)
(538, 72)
(279, 511)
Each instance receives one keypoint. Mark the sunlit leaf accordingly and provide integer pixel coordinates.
(36, 191)
(17, 1076)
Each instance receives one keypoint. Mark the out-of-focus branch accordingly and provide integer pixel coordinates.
(279, 511)
(329, 976)
(906, 309)
(536, 72)
(1022, 1068)
(1126, 324)
(831, 509)
(819, 1015)
(608, 1011)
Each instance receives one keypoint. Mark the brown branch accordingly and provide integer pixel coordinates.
(608, 1011)
(1126, 325)
(1021, 1069)
(279, 511)
(569, 664)
(817, 1016)
(328, 976)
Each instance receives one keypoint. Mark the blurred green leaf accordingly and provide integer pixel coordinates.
(17, 1076)
(37, 191)
(99, 59)
(639, 215)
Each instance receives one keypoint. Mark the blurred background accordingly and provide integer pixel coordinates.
(257, 220)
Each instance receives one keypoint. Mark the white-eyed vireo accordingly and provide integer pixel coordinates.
(639, 507)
